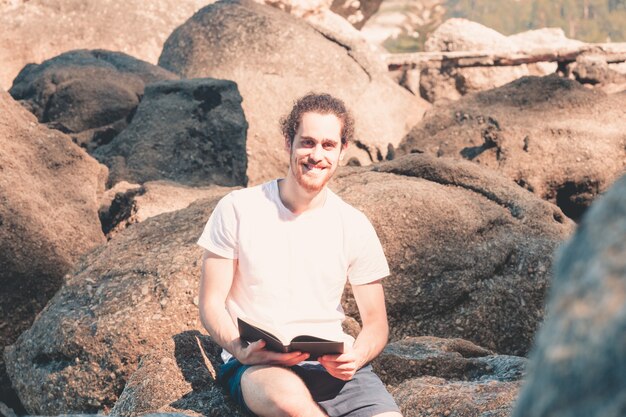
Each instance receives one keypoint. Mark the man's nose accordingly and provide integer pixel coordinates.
(317, 152)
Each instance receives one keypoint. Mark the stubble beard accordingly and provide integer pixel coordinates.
(310, 184)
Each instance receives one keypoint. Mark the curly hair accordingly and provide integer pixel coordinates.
(322, 104)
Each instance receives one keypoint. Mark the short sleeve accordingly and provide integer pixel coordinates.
(220, 231)
(367, 258)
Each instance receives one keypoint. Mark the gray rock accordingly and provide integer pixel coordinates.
(121, 301)
(578, 367)
(91, 95)
(49, 190)
(275, 58)
(190, 131)
(552, 136)
(449, 377)
(470, 252)
(451, 359)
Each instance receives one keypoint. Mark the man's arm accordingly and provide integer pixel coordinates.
(215, 283)
(370, 300)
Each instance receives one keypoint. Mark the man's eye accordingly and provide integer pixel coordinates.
(329, 145)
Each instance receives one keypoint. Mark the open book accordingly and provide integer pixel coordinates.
(277, 342)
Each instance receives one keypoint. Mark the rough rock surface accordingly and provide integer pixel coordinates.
(48, 217)
(457, 359)
(121, 301)
(469, 251)
(275, 65)
(178, 376)
(91, 95)
(450, 82)
(563, 142)
(449, 377)
(578, 365)
(431, 396)
(136, 203)
(189, 131)
(36, 30)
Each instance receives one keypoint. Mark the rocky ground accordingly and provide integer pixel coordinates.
(115, 148)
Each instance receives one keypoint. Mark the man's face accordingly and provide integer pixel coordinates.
(316, 150)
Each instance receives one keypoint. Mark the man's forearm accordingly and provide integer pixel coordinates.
(371, 341)
(220, 326)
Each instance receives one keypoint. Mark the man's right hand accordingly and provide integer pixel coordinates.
(256, 354)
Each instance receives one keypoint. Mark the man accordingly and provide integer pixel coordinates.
(280, 253)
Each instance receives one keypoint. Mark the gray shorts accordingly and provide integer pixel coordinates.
(362, 396)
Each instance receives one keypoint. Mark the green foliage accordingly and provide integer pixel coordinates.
(586, 20)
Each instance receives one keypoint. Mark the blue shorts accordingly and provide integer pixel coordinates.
(362, 396)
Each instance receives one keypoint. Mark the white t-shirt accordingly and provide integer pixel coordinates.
(292, 269)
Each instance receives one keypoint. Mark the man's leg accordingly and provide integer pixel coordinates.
(272, 391)
(390, 414)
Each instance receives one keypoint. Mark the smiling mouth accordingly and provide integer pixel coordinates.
(314, 168)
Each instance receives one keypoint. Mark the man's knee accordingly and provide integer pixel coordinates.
(276, 391)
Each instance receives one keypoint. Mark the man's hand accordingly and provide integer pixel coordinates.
(344, 365)
(256, 354)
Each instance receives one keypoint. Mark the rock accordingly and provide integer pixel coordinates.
(283, 61)
(435, 396)
(356, 12)
(563, 142)
(459, 34)
(577, 366)
(543, 38)
(451, 82)
(178, 376)
(593, 68)
(469, 251)
(136, 203)
(449, 377)
(36, 30)
(458, 359)
(121, 301)
(48, 217)
(190, 131)
(91, 95)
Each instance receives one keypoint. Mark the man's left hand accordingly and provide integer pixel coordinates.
(342, 366)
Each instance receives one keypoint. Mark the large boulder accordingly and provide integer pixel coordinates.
(563, 142)
(275, 58)
(178, 376)
(120, 302)
(469, 251)
(188, 131)
(91, 95)
(36, 30)
(578, 365)
(49, 191)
